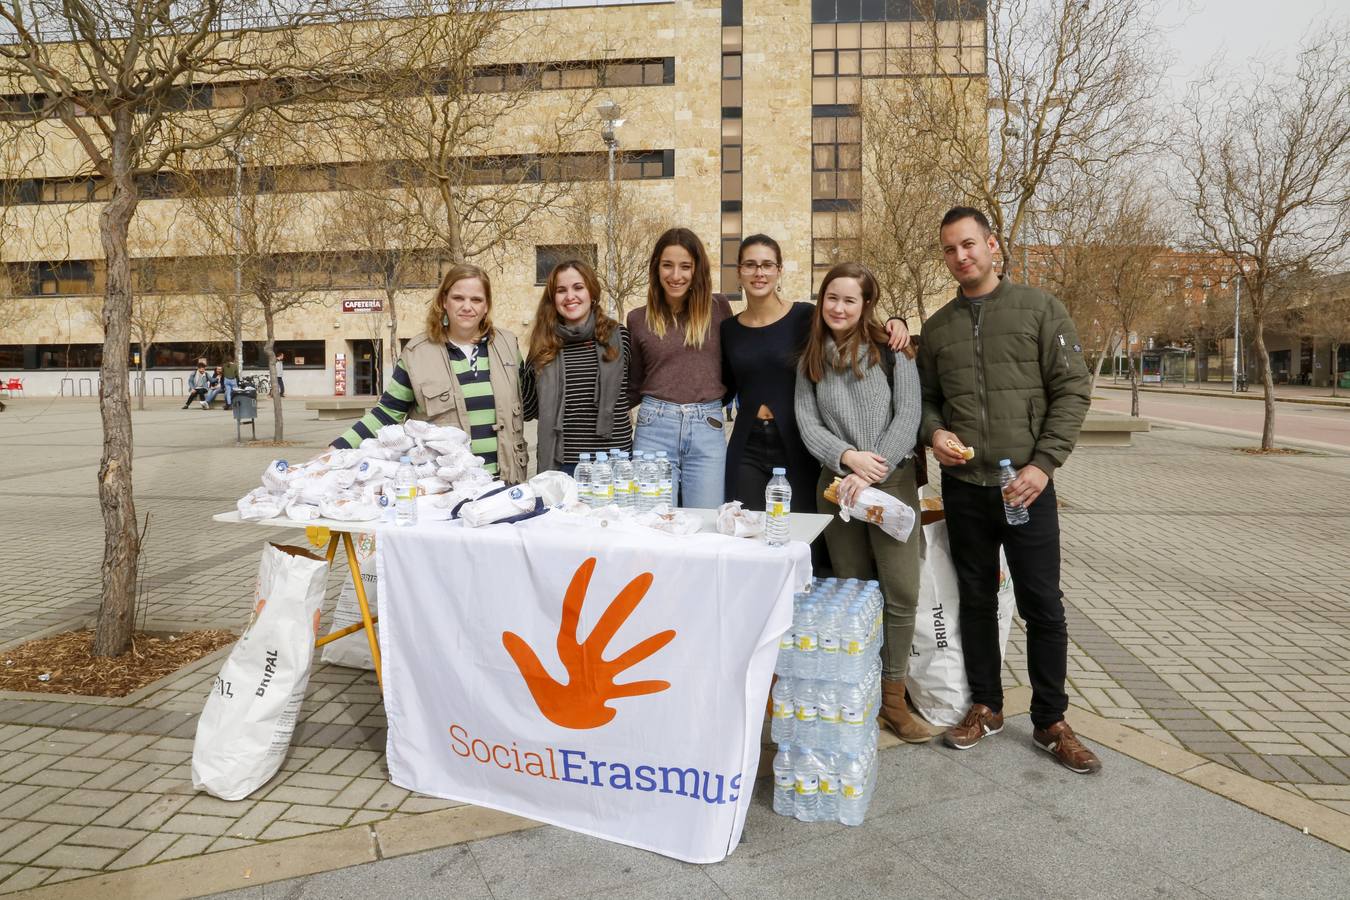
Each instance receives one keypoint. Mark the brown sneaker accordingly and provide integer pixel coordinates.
(1060, 742)
(979, 723)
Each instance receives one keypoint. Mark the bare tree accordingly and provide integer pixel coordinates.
(1323, 311)
(620, 264)
(1069, 89)
(440, 107)
(151, 314)
(122, 81)
(903, 199)
(1267, 178)
(277, 267)
(1125, 249)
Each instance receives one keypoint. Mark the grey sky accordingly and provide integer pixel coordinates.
(1241, 29)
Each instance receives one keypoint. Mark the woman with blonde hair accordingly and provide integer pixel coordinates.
(462, 371)
(676, 369)
(858, 406)
(575, 379)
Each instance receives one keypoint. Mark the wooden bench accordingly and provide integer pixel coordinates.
(341, 407)
(1107, 429)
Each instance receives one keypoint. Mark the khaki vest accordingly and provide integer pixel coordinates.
(440, 400)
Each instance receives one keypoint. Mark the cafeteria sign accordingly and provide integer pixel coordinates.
(614, 685)
(363, 306)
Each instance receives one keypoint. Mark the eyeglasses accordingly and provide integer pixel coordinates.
(750, 268)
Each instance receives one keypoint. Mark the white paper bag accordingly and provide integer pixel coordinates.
(354, 649)
(245, 729)
(937, 669)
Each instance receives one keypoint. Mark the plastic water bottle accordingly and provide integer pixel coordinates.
(405, 492)
(831, 616)
(853, 719)
(602, 481)
(784, 782)
(828, 719)
(625, 481)
(582, 476)
(853, 793)
(665, 481)
(829, 786)
(782, 726)
(786, 665)
(806, 784)
(1016, 515)
(777, 505)
(807, 662)
(853, 635)
(805, 695)
(649, 491)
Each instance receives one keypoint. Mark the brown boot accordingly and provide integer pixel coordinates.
(898, 717)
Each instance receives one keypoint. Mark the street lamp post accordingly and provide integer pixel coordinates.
(610, 118)
(1237, 327)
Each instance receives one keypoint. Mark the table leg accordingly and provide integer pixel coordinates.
(355, 568)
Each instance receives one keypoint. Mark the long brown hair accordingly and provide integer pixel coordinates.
(868, 334)
(441, 333)
(545, 345)
(697, 314)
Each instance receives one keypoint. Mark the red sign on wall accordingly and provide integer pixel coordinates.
(339, 375)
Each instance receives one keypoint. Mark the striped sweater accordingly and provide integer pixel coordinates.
(580, 371)
(398, 401)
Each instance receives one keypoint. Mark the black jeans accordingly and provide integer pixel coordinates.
(196, 394)
(763, 452)
(281, 386)
(977, 527)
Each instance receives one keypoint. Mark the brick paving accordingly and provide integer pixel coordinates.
(1208, 607)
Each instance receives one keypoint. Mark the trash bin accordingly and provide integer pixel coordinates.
(245, 411)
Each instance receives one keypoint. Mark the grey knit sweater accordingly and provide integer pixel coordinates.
(844, 412)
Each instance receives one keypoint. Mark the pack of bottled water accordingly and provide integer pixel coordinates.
(639, 482)
(825, 702)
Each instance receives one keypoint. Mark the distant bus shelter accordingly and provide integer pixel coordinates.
(1166, 364)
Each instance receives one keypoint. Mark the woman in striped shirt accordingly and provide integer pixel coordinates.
(461, 371)
(575, 381)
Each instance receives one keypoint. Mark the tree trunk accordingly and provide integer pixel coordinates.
(237, 324)
(269, 348)
(121, 541)
(140, 390)
(391, 350)
(1335, 370)
(1134, 385)
(1268, 382)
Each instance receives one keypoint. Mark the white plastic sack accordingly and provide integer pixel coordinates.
(555, 488)
(394, 438)
(736, 521)
(259, 504)
(354, 649)
(937, 669)
(245, 728)
(347, 508)
(276, 476)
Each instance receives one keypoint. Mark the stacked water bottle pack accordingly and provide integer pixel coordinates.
(825, 703)
(639, 484)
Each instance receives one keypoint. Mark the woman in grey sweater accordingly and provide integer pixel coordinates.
(857, 407)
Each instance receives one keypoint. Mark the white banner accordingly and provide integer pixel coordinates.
(607, 680)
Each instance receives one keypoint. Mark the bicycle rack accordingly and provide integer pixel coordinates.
(63, 386)
(157, 386)
(86, 383)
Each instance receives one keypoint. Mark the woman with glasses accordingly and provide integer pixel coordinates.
(676, 368)
(760, 349)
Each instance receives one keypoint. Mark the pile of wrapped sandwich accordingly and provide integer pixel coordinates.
(358, 485)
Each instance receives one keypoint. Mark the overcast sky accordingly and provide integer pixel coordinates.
(1240, 29)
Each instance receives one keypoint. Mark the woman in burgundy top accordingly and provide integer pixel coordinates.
(676, 368)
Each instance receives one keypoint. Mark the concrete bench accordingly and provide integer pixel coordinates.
(341, 407)
(1106, 429)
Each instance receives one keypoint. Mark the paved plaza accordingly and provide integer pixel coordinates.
(1210, 618)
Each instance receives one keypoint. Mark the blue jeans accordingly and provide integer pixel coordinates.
(694, 438)
(231, 385)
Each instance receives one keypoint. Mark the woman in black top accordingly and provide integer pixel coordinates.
(760, 348)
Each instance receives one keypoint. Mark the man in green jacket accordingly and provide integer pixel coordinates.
(1003, 377)
(231, 377)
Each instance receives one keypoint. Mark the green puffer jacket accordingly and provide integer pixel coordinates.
(1010, 382)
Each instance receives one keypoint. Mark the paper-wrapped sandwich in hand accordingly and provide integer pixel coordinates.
(877, 507)
(957, 447)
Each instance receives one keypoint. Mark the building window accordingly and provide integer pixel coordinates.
(546, 256)
(69, 356)
(71, 277)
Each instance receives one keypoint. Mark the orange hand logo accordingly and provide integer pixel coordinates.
(581, 702)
